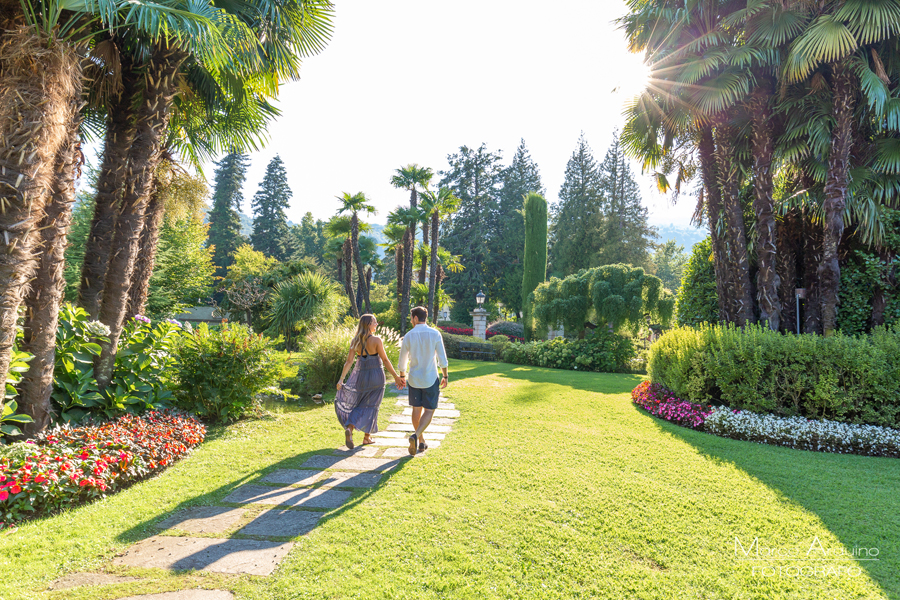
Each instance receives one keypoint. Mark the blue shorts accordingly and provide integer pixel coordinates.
(425, 397)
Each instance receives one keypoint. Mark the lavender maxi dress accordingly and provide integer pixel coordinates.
(358, 400)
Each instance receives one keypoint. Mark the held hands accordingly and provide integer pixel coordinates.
(340, 385)
(400, 382)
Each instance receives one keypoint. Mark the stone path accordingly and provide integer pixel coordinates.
(253, 529)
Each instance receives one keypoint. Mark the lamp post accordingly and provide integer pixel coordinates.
(479, 317)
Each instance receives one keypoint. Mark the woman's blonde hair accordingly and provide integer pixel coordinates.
(362, 333)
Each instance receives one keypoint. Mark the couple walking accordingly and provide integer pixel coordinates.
(359, 399)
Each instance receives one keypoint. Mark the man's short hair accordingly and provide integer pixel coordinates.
(420, 312)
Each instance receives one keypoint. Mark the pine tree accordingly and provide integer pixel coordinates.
(269, 219)
(474, 178)
(224, 219)
(623, 233)
(520, 178)
(534, 254)
(574, 217)
(307, 240)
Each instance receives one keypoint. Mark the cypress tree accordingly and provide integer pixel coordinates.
(535, 254)
(270, 227)
(224, 218)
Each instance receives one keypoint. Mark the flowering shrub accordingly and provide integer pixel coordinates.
(457, 330)
(794, 432)
(659, 401)
(70, 465)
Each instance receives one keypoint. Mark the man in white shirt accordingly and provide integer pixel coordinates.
(420, 346)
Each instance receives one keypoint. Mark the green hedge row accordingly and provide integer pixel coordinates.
(452, 344)
(854, 379)
(601, 351)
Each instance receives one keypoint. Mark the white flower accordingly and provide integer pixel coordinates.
(97, 329)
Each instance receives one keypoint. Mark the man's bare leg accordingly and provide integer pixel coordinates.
(416, 415)
(424, 422)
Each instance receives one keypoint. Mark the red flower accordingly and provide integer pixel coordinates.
(15, 489)
(3, 496)
(84, 482)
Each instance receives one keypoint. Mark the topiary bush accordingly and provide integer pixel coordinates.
(601, 351)
(853, 379)
(219, 372)
(507, 328)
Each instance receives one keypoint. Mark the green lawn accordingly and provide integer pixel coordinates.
(551, 485)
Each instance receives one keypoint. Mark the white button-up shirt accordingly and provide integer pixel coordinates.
(420, 346)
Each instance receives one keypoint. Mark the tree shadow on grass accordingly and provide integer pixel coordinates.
(587, 381)
(855, 497)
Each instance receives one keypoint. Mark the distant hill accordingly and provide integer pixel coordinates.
(685, 236)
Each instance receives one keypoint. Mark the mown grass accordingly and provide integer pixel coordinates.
(551, 485)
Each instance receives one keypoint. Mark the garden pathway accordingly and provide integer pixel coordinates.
(253, 528)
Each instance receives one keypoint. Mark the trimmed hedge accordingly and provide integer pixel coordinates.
(852, 379)
(601, 351)
(452, 343)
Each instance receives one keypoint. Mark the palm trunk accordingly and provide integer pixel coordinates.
(398, 260)
(766, 251)
(360, 270)
(812, 258)
(409, 244)
(39, 94)
(348, 278)
(152, 119)
(786, 266)
(43, 301)
(110, 183)
(713, 197)
(423, 269)
(146, 258)
(432, 275)
(738, 261)
(835, 192)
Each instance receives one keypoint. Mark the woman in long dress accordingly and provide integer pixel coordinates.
(358, 399)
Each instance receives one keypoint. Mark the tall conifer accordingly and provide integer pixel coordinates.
(224, 220)
(534, 254)
(269, 219)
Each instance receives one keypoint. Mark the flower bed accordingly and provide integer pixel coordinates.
(71, 465)
(794, 432)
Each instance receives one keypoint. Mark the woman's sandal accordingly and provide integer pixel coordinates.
(348, 438)
(368, 440)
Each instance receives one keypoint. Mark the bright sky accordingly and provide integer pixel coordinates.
(410, 81)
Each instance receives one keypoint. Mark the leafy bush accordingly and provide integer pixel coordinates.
(18, 366)
(841, 378)
(452, 344)
(219, 373)
(69, 465)
(302, 303)
(508, 328)
(601, 351)
(327, 350)
(499, 342)
(140, 376)
(698, 301)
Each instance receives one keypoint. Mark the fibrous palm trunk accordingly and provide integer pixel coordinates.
(423, 269)
(767, 280)
(432, 274)
(738, 261)
(398, 261)
(360, 269)
(812, 259)
(409, 244)
(160, 87)
(146, 258)
(111, 181)
(43, 300)
(39, 92)
(835, 191)
(713, 198)
(789, 230)
(348, 277)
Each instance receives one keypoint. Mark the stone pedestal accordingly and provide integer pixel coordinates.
(479, 322)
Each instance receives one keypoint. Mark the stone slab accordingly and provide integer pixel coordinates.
(432, 428)
(203, 519)
(441, 412)
(402, 443)
(350, 463)
(352, 480)
(403, 435)
(282, 523)
(205, 554)
(360, 450)
(292, 477)
(397, 453)
(305, 497)
(74, 580)
(186, 595)
(434, 421)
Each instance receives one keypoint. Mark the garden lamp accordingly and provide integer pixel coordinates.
(480, 298)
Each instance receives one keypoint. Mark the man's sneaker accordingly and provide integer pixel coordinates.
(412, 445)
(423, 446)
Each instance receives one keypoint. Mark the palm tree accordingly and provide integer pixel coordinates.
(409, 218)
(412, 177)
(438, 205)
(395, 232)
(354, 204)
(300, 304)
(339, 246)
